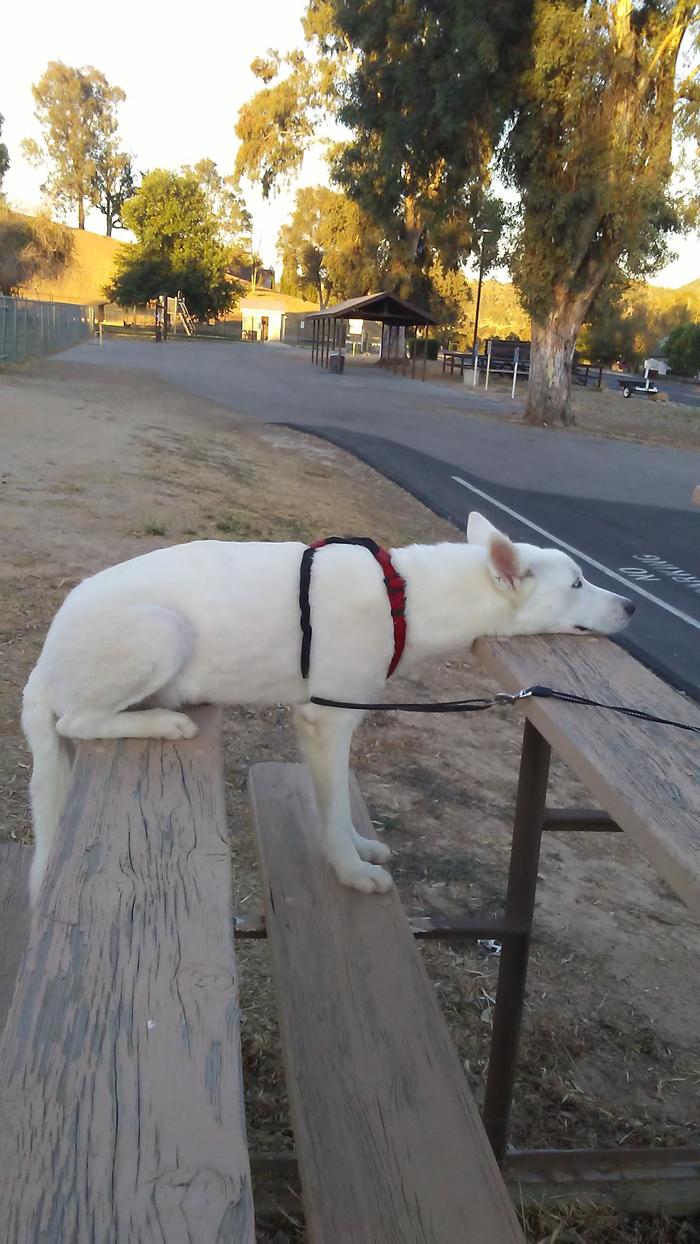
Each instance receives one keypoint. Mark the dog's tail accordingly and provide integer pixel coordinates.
(51, 772)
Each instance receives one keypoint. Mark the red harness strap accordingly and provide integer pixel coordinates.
(395, 587)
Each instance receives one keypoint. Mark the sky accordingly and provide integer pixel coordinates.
(185, 68)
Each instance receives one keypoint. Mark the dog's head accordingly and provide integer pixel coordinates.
(547, 589)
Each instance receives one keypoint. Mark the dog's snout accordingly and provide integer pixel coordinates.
(628, 606)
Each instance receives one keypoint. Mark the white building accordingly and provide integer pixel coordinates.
(262, 311)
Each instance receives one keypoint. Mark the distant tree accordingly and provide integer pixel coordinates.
(330, 249)
(577, 105)
(113, 184)
(31, 249)
(76, 109)
(178, 247)
(682, 349)
(407, 83)
(225, 201)
(278, 124)
(591, 155)
(4, 156)
(612, 331)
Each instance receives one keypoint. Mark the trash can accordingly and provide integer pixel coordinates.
(336, 363)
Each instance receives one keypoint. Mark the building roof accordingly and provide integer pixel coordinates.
(268, 300)
(384, 307)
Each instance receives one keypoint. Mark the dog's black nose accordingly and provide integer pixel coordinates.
(628, 606)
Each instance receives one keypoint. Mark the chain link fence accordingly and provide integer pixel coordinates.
(29, 328)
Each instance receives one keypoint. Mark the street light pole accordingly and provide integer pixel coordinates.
(478, 290)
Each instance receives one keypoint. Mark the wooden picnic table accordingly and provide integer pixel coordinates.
(456, 358)
(121, 1096)
(645, 776)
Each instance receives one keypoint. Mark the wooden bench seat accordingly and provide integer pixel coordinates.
(121, 1107)
(390, 1145)
(14, 918)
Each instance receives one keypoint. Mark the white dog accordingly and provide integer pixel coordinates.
(218, 622)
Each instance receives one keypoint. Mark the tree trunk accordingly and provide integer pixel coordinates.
(551, 359)
(81, 214)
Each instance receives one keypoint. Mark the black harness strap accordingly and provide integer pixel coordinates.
(307, 559)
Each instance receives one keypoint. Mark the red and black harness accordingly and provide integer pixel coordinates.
(396, 591)
(395, 587)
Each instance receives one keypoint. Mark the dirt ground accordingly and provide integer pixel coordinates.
(605, 412)
(98, 467)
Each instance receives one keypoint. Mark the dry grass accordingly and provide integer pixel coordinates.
(89, 271)
(603, 412)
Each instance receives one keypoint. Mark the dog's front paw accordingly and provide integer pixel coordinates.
(367, 878)
(370, 850)
(170, 725)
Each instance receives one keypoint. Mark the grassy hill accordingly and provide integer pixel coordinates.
(83, 281)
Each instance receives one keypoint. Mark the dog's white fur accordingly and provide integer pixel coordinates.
(218, 622)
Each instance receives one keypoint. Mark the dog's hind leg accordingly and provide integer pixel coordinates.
(140, 653)
(325, 735)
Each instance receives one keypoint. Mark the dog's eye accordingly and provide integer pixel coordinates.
(578, 583)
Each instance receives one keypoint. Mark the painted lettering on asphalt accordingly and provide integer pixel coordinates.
(653, 567)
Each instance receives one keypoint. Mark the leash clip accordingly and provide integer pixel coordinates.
(504, 697)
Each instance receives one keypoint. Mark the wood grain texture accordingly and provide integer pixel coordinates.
(646, 776)
(121, 1111)
(389, 1141)
(14, 917)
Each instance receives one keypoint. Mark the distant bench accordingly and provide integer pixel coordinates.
(502, 362)
(120, 1064)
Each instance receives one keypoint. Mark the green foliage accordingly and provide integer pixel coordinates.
(590, 150)
(277, 125)
(30, 249)
(76, 109)
(225, 203)
(330, 249)
(682, 347)
(426, 101)
(415, 161)
(4, 155)
(576, 105)
(179, 247)
(630, 321)
(113, 184)
(431, 347)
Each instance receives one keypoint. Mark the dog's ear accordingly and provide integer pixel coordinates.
(504, 561)
(479, 529)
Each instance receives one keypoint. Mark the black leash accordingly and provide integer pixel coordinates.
(503, 697)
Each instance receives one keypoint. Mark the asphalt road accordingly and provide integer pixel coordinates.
(623, 510)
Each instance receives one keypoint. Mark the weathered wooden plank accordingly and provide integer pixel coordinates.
(644, 775)
(14, 917)
(121, 1110)
(389, 1140)
(634, 1181)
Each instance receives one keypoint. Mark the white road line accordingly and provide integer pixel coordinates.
(628, 583)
